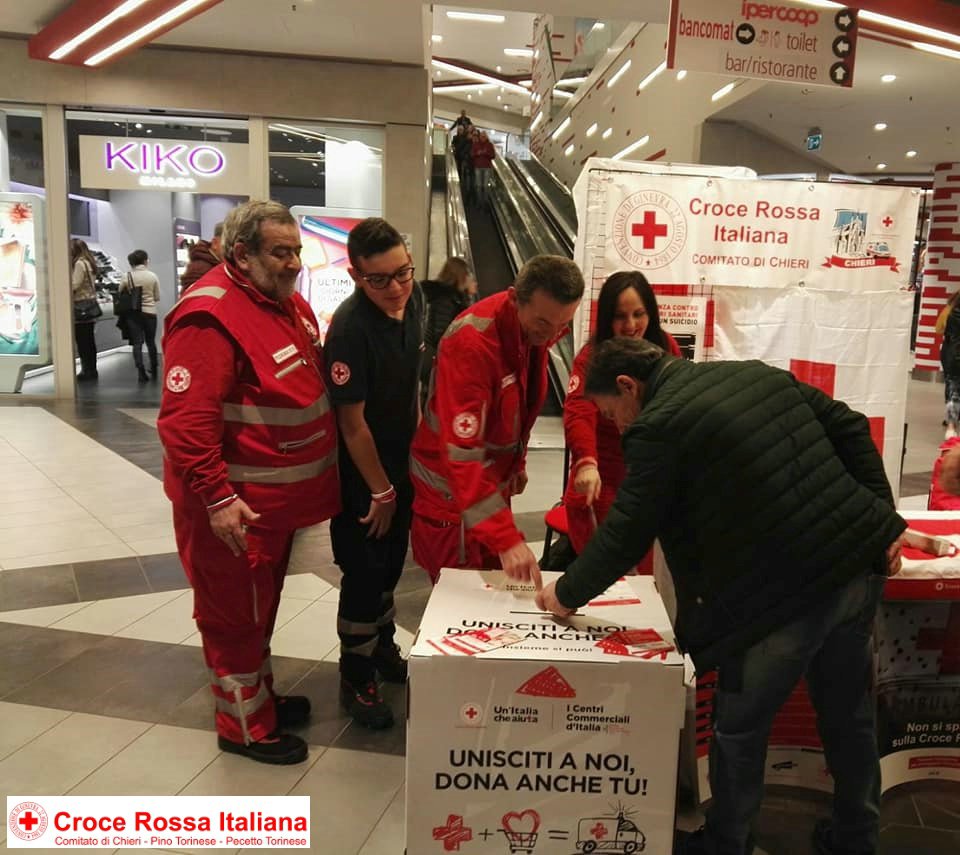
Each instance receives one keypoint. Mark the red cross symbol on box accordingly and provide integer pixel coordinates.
(28, 820)
(453, 833)
(599, 831)
(649, 230)
(887, 221)
(471, 713)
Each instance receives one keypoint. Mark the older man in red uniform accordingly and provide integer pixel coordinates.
(468, 456)
(249, 457)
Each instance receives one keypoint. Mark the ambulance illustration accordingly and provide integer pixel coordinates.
(613, 834)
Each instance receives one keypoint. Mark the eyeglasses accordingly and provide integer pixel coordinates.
(379, 281)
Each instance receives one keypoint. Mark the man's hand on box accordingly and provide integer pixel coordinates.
(520, 565)
(547, 601)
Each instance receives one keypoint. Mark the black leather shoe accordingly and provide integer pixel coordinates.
(823, 841)
(142, 376)
(390, 663)
(280, 749)
(365, 705)
(695, 843)
(84, 377)
(292, 710)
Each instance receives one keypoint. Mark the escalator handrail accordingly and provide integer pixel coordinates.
(566, 231)
(518, 193)
(458, 237)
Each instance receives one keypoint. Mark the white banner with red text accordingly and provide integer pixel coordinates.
(158, 822)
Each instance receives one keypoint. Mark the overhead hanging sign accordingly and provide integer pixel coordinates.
(135, 163)
(785, 41)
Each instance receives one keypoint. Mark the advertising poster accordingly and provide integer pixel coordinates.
(19, 324)
(324, 281)
(186, 233)
(685, 318)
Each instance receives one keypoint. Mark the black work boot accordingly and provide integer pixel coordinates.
(292, 710)
(365, 705)
(142, 376)
(390, 663)
(280, 749)
(823, 841)
(153, 369)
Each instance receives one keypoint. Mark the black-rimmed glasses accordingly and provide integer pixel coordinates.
(379, 281)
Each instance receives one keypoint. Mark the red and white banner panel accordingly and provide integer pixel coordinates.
(941, 272)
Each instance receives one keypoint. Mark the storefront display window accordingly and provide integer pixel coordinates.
(24, 287)
(331, 177)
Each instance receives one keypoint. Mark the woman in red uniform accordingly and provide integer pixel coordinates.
(626, 307)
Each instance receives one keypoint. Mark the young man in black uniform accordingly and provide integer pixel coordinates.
(373, 352)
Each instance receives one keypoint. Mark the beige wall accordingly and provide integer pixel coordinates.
(733, 144)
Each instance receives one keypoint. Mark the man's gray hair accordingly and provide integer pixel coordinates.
(635, 357)
(556, 276)
(243, 223)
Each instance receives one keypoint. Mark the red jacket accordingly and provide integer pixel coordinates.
(244, 406)
(482, 153)
(489, 386)
(587, 433)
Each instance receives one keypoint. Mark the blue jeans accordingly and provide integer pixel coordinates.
(830, 644)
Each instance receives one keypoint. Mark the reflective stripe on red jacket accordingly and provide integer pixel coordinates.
(258, 423)
(488, 388)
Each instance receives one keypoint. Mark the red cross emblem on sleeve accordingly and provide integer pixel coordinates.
(178, 379)
(466, 425)
(340, 373)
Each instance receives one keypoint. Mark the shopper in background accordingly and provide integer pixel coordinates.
(469, 454)
(144, 288)
(204, 256)
(777, 521)
(250, 456)
(84, 283)
(373, 351)
(948, 323)
(463, 120)
(482, 154)
(453, 291)
(462, 153)
(626, 307)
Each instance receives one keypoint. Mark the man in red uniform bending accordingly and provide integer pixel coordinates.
(469, 454)
(250, 456)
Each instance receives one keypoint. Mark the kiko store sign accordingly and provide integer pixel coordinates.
(134, 163)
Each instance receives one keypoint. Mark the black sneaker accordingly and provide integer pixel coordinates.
(390, 663)
(823, 841)
(695, 843)
(292, 710)
(365, 705)
(280, 749)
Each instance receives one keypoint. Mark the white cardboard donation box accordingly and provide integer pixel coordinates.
(529, 734)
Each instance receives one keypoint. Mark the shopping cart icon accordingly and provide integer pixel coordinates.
(521, 830)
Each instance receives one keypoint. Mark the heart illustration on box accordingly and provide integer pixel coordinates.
(526, 822)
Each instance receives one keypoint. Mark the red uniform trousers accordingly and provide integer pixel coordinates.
(438, 544)
(235, 601)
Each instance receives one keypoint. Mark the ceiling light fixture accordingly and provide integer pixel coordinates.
(482, 17)
(681, 74)
(561, 93)
(560, 128)
(911, 153)
(569, 149)
(722, 92)
(652, 76)
(520, 52)
(159, 23)
(536, 120)
(880, 126)
(606, 134)
(108, 19)
(599, 25)
(630, 149)
(499, 69)
(479, 75)
(619, 73)
(592, 129)
(107, 28)
(881, 166)
(888, 78)
(436, 38)
(571, 81)
(939, 51)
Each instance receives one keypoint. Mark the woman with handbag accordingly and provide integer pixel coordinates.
(141, 292)
(86, 309)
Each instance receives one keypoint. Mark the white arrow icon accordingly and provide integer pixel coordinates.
(843, 47)
(840, 73)
(844, 21)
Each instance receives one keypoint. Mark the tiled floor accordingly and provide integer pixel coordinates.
(103, 689)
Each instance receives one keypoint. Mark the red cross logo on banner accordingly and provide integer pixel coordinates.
(28, 821)
(340, 372)
(650, 230)
(453, 833)
(887, 221)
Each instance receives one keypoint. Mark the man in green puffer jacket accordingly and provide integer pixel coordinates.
(776, 518)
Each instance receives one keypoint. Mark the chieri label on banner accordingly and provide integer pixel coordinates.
(687, 229)
(792, 42)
